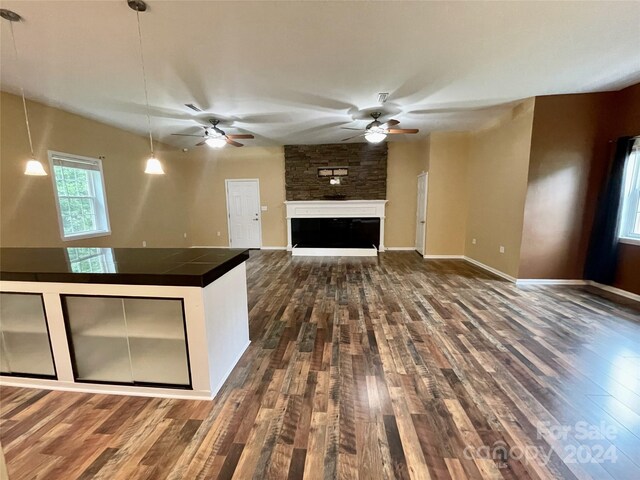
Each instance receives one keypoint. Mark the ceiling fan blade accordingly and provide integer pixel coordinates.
(389, 123)
(201, 143)
(393, 131)
(355, 136)
(240, 135)
(235, 144)
(186, 135)
(350, 128)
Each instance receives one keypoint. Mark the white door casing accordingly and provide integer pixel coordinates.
(243, 213)
(421, 213)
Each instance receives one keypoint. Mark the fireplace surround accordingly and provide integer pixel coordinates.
(341, 227)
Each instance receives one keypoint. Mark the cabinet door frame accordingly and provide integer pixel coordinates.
(46, 324)
(72, 353)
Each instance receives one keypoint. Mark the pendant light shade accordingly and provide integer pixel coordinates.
(154, 167)
(34, 168)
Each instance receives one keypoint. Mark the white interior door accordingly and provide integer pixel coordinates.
(421, 213)
(243, 212)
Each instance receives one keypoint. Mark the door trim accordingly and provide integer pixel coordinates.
(226, 189)
(426, 203)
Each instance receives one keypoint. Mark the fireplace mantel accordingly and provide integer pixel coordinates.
(336, 209)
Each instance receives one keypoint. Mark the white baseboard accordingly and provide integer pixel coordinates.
(614, 290)
(490, 269)
(127, 390)
(273, 248)
(334, 252)
(549, 281)
(401, 249)
(443, 257)
(209, 246)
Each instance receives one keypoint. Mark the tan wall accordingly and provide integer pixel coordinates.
(141, 207)
(447, 202)
(497, 185)
(208, 169)
(406, 160)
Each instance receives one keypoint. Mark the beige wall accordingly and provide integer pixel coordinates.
(497, 186)
(406, 160)
(447, 193)
(207, 171)
(141, 207)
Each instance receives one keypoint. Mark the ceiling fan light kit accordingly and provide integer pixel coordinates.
(377, 131)
(376, 136)
(216, 142)
(218, 138)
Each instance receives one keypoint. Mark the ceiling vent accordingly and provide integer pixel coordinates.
(382, 97)
(192, 107)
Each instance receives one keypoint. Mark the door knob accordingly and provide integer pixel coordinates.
(255, 219)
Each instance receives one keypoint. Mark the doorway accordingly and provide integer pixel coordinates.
(421, 213)
(243, 213)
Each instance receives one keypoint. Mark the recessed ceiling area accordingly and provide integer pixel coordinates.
(295, 72)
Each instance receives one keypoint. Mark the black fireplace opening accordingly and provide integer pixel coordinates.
(335, 232)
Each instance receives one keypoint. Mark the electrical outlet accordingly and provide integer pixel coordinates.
(474, 241)
(144, 243)
(263, 208)
(501, 249)
(218, 233)
(185, 234)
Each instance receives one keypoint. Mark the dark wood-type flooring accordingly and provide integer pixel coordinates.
(366, 368)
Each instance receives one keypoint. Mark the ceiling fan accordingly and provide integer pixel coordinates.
(377, 131)
(215, 137)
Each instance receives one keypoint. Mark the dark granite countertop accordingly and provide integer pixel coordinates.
(184, 267)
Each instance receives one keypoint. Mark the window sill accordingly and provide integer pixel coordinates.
(630, 241)
(81, 236)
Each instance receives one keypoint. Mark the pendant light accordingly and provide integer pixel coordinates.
(153, 167)
(34, 167)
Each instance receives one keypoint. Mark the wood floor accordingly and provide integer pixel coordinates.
(383, 368)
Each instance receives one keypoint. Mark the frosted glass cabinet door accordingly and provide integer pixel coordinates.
(157, 341)
(98, 336)
(25, 338)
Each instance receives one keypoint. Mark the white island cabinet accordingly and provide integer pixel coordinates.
(155, 322)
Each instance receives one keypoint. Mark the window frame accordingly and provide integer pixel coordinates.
(630, 208)
(98, 233)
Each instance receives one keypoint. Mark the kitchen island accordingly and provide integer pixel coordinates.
(167, 322)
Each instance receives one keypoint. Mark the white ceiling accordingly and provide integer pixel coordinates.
(295, 72)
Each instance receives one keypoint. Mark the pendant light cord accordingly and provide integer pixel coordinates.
(24, 101)
(144, 79)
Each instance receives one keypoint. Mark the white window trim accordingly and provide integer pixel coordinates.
(629, 241)
(79, 236)
(623, 235)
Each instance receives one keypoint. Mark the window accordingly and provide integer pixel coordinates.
(81, 202)
(630, 219)
(91, 260)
